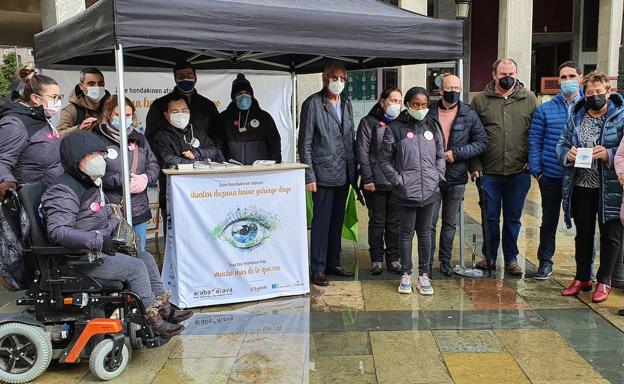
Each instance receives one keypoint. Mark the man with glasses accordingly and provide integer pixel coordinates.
(549, 120)
(464, 139)
(505, 109)
(85, 101)
(326, 145)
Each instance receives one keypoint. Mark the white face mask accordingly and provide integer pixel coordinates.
(96, 93)
(393, 110)
(180, 119)
(336, 87)
(52, 109)
(96, 167)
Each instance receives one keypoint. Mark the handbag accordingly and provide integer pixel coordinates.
(124, 236)
(15, 270)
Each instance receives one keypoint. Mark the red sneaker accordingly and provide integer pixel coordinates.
(576, 287)
(601, 293)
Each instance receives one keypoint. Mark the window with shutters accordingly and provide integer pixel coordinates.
(590, 25)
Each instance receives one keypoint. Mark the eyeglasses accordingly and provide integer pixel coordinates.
(52, 98)
(336, 78)
(452, 89)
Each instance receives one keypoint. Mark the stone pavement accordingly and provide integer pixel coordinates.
(360, 330)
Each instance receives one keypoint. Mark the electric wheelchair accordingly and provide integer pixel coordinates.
(70, 316)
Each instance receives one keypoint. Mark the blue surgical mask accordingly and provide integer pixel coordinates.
(116, 123)
(243, 102)
(569, 87)
(186, 85)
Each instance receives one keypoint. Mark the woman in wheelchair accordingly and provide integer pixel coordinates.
(76, 216)
(29, 142)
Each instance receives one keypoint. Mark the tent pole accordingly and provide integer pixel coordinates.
(123, 131)
(460, 73)
(294, 115)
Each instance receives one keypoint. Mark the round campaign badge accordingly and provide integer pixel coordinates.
(410, 135)
(95, 207)
(112, 153)
(254, 123)
(428, 135)
(195, 142)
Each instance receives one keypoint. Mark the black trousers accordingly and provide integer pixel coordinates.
(327, 218)
(383, 227)
(419, 219)
(584, 211)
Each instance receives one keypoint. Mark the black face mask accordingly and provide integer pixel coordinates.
(506, 82)
(451, 97)
(596, 102)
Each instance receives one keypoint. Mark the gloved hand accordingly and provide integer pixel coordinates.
(4, 188)
(138, 183)
(108, 246)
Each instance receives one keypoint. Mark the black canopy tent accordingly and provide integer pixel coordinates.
(297, 36)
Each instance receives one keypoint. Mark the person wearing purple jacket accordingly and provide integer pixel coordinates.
(412, 159)
(144, 167)
(76, 216)
(29, 142)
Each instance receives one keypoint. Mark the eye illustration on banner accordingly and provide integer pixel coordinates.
(246, 228)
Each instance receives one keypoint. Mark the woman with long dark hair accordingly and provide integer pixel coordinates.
(383, 218)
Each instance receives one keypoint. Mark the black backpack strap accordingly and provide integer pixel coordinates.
(81, 114)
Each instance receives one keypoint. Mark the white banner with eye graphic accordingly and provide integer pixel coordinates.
(236, 237)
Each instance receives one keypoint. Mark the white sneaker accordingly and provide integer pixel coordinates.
(424, 285)
(406, 284)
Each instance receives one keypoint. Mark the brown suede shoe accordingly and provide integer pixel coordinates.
(174, 315)
(513, 268)
(482, 264)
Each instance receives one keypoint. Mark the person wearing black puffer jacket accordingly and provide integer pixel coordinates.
(178, 142)
(383, 218)
(412, 159)
(76, 216)
(464, 138)
(29, 142)
(245, 132)
(144, 167)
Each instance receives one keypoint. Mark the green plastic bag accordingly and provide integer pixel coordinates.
(350, 225)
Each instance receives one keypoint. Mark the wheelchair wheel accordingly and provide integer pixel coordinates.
(25, 352)
(135, 342)
(101, 364)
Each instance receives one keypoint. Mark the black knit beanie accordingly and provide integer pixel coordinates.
(241, 84)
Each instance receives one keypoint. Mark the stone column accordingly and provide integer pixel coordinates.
(515, 35)
(609, 35)
(55, 11)
(413, 75)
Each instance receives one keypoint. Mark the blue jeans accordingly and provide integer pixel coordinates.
(550, 189)
(506, 192)
(141, 231)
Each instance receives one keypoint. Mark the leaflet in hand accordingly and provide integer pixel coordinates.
(583, 158)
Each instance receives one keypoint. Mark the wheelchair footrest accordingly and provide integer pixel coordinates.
(156, 341)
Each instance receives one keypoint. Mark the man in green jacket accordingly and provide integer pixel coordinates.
(505, 109)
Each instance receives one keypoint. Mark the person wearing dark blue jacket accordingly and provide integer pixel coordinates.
(464, 139)
(548, 121)
(591, 188)
(327, 146)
